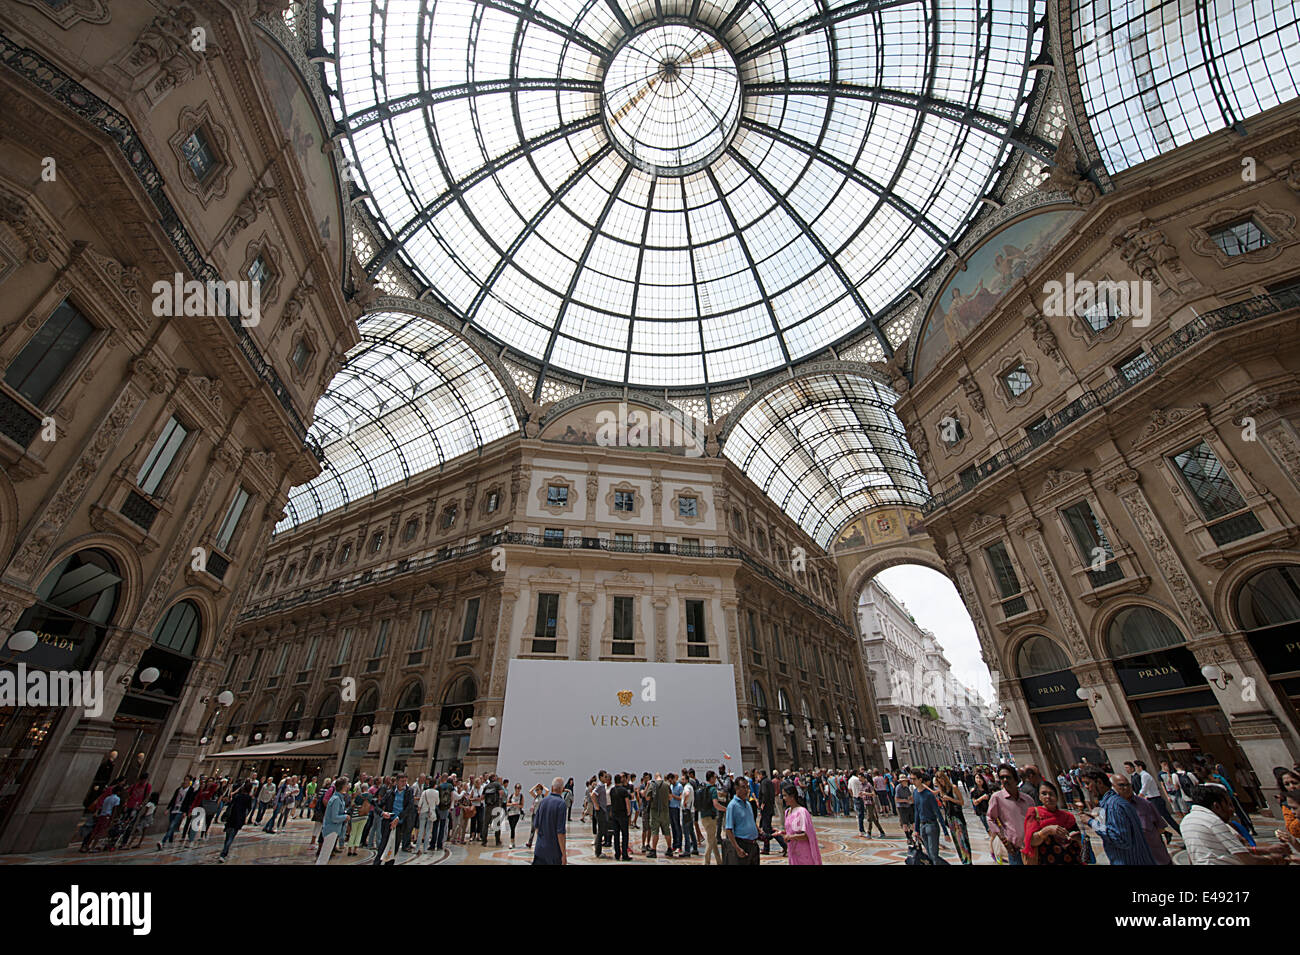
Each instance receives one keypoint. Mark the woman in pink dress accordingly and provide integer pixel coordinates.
(800, 837)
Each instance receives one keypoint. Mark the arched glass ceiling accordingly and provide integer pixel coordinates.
(1162, 73)
(825, 448)
(677, 192)
(411, 395)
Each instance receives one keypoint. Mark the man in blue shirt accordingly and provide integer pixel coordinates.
(1120, 827)
(741, 829)
(549, 834)
(398, 811)
(925, 809)
(675, 811)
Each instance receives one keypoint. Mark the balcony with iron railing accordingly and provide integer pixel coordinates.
(488, 541)
(1166, 350)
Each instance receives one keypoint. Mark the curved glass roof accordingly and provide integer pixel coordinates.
(410, 396)
(676, 192)
(1158, 75)
(825, 448)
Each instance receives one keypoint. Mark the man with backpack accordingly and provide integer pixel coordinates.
(446, 789)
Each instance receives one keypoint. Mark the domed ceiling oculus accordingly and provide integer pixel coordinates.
(676, 193)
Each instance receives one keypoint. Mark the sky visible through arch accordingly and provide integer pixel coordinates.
(932, 599)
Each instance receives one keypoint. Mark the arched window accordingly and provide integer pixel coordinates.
(292, 716)
(178, 630)
(408, 708)
(783, 703)
(74, 604)
(325, 714)
(462, 691)
(1141, 630)
(760, 699)
(364, 714)
(1270, 597)
(1039, 655)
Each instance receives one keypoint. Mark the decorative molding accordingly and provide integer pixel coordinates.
(40, 539)
(71, 12)
(1056, 591)
(1277, 225)
(1171, 568)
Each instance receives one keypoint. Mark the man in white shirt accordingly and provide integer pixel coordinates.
(1211, 841)
(1149, 790)
(427, 805)
(690, 847)
(855, 791)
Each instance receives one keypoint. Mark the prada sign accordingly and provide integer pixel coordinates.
(1278, 648)
(1173, 669)
(1051, 689)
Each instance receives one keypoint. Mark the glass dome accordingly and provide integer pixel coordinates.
(676, 193)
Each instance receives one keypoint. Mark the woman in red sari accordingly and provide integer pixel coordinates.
(1051, 834)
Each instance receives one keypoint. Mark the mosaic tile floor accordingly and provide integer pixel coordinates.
(840, 843)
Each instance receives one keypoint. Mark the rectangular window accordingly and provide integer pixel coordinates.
(230, 670)
(776, 641)
(688, 507)
(624, 629)
(161, 455)
(259, 272)
(1209, 482)
(625, 501)
(300, 356)
(622, 542)
(1003, 571)
(231, 521)
(312, 647)
(1017, 381)
(345, 645)
(1087, 532)
(969, 477)
(696, 639)
(553, 537)
(557, 495)
(471, 620)
(198, 154)
(49, 353)
(1239, 238)
(1038, 430)
(381, 639)
(1135, 367)
(422, 630)
(690, 546)
(884, 722)
(548, 608)
(493, 501)
(282, 659)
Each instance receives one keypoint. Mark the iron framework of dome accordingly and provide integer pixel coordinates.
(826, 447)
(411, 396)
(677, 193)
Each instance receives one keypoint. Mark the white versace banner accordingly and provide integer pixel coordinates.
(571, 718)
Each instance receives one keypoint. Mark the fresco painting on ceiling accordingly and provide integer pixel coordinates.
(884, 526)
(300, 123)
(991, 270)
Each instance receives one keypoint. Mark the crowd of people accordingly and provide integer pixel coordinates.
(730, 819)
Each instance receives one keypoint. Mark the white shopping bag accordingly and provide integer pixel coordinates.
(327, 848)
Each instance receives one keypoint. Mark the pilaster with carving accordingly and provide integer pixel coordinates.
(1031, 531)
(1190, 605)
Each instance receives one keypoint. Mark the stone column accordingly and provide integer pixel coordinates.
(1258, 731)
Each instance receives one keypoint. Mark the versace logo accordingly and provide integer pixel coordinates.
(624, 697)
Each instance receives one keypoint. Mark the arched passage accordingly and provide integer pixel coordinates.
(930, 712)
